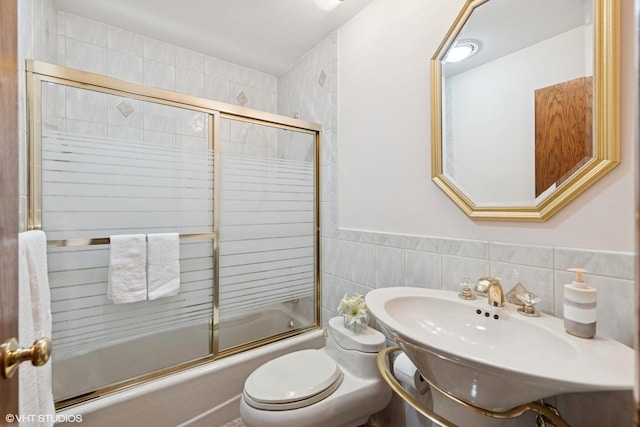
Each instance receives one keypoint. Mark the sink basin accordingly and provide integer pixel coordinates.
(496, 358)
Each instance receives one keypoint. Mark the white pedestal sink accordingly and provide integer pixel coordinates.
(495, 358)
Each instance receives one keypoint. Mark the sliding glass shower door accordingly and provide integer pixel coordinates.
(239, 187)
(267, 260)
(112, 165)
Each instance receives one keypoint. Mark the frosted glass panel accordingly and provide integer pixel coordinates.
(114, 165)
(267, 230)
(95, 187)
(98, 343)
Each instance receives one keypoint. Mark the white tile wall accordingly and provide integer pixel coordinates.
(125, 66)
(81, 43)
(73, 41)
(121, 40)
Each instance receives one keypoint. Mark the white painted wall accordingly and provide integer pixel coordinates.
(494, 118)
(384, 169)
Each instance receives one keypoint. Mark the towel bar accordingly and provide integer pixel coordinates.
(106, 240)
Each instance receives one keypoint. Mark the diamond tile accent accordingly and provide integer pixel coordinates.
(197, 124)
(322, 78)
(242, 98)
(125, 108)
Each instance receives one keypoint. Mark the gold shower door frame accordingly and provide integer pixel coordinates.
(39, 72)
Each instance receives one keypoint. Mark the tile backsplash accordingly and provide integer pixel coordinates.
(358, 261)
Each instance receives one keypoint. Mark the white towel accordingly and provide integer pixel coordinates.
(164, 265)
(127, 268)
(35, 390)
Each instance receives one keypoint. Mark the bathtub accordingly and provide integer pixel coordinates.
(204, 395)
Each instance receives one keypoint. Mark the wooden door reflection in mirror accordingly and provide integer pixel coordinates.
(563, 124)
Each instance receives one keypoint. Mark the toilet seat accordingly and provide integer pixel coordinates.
(293, 381)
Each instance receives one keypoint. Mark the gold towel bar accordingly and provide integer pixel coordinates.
(106, 240)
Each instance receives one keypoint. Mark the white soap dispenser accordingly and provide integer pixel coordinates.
(580, 307)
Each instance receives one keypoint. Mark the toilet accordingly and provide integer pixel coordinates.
(338, 385)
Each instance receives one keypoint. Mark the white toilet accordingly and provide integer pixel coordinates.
(336, 386)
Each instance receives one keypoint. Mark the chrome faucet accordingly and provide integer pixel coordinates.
(493, 289)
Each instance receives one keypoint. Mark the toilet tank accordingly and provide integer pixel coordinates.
(355, 352)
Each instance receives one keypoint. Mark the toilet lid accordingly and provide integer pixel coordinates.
(292, 380)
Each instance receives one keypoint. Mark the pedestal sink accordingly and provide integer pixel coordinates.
(496, 358)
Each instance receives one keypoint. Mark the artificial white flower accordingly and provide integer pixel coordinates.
(355, 312)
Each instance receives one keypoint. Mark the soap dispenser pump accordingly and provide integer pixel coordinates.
(580, 303)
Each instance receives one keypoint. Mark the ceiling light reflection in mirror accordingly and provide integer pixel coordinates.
(462, 50)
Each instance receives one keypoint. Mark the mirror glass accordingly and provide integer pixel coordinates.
(514, 121)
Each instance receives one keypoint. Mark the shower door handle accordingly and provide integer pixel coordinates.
(11, 355)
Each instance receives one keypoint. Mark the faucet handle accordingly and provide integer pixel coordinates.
(528, 299)
(466, 293)
(482, 285)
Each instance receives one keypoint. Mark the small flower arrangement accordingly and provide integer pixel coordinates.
(355, 313)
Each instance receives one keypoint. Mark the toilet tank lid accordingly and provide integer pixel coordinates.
(369, 341)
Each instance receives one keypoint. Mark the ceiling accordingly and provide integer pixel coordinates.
(502, 27)
(265, 35)
(271, 35)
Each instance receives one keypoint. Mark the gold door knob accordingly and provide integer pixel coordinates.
(11, 355)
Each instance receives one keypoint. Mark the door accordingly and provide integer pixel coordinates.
(8, 196)
(563, 131)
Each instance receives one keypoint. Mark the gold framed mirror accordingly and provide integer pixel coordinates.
(531, 119)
